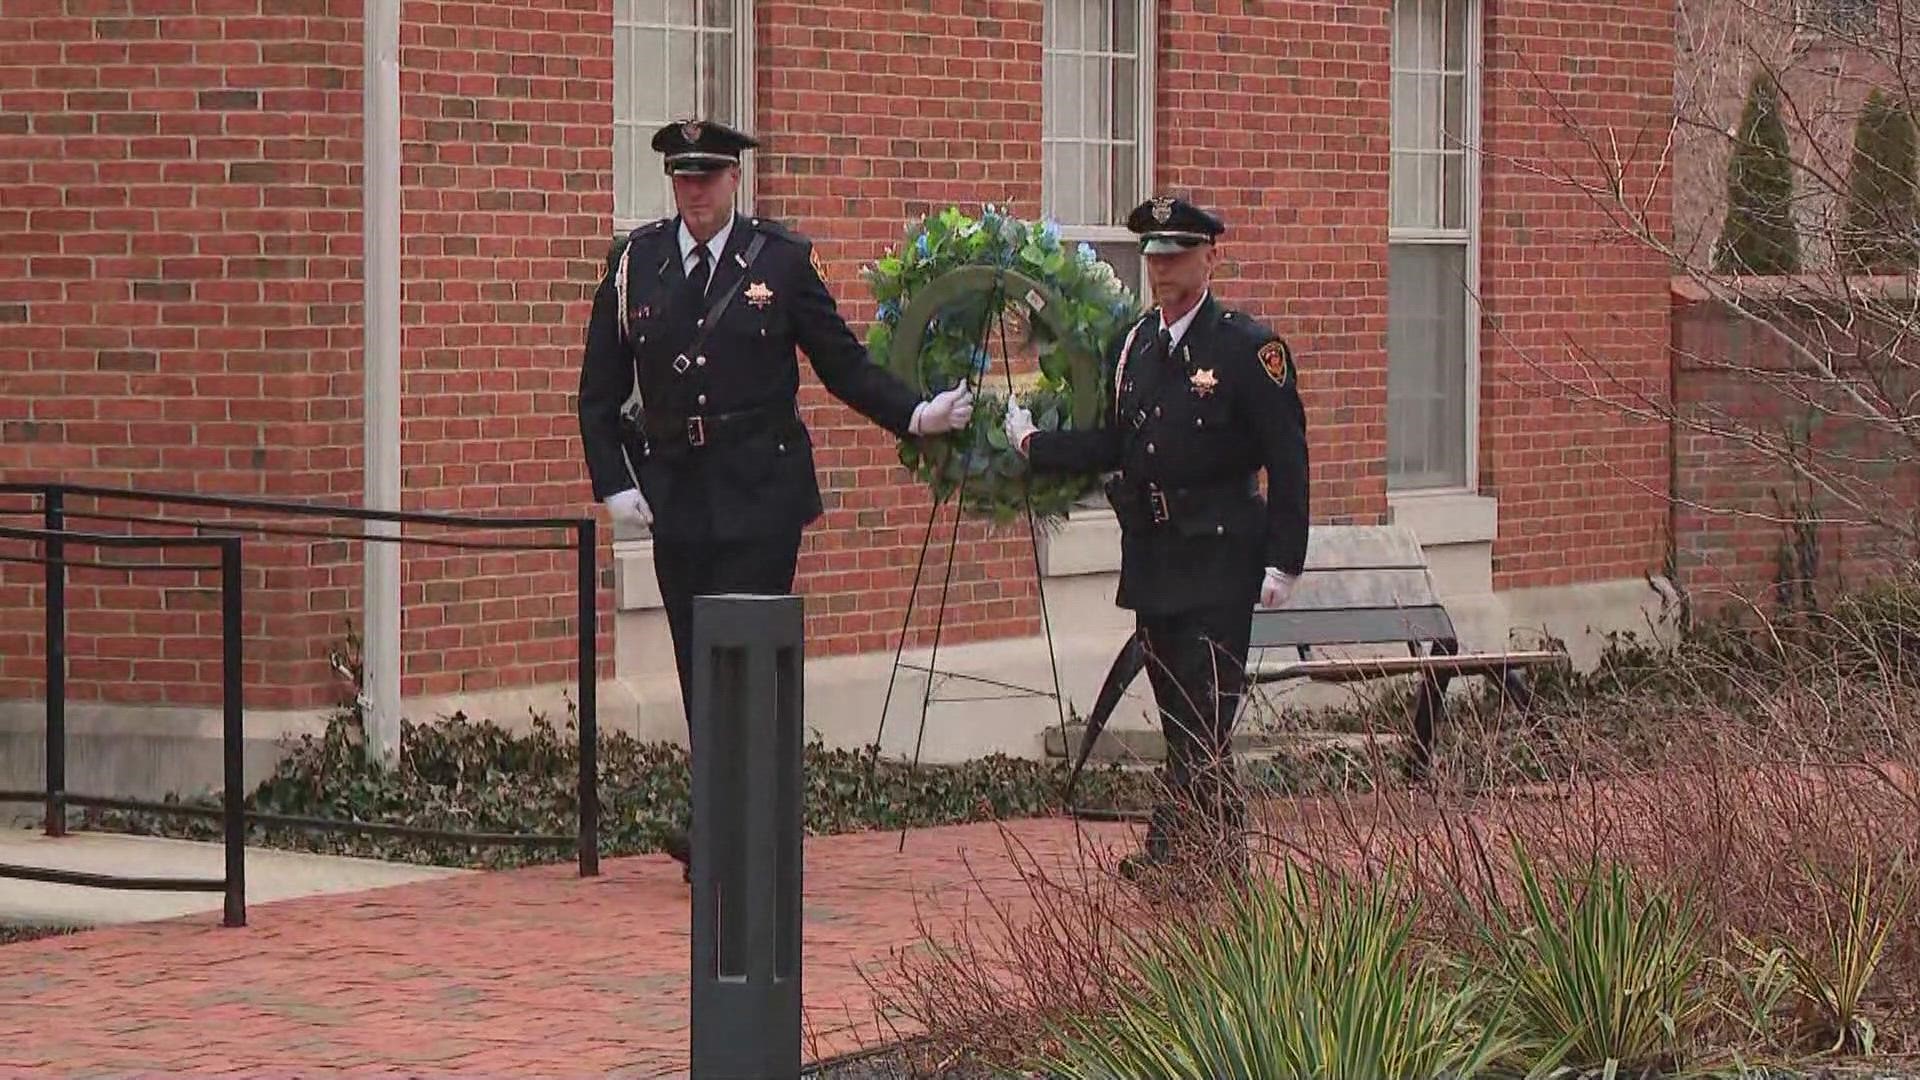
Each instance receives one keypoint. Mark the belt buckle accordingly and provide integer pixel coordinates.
(1157, 501)
(696, 431)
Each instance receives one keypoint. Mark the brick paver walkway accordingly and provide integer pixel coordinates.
(524, 973)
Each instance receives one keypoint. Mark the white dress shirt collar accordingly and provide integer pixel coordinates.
(714, 246)
(1179, 328)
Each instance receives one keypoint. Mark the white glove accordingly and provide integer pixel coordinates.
(1277, 588)
(630, 507)
(950, 410)
(1019, 425)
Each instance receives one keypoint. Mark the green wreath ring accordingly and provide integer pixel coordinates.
(941, 297)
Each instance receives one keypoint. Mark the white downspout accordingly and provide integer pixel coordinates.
(380, 194)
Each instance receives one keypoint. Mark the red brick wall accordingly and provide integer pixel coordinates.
(183, 259)
(179, 216)
(177, 311)
(1575, 313)
(873, 116)
(506, 210)
(1734, 503)
(1277, 115)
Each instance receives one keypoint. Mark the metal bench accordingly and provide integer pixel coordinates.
(1368, 585)
(1363, 585)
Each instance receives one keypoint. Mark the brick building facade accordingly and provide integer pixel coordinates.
(180, 301)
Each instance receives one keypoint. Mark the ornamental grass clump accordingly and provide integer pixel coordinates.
(1302, 976)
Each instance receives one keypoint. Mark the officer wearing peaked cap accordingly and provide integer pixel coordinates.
(1205, 399)
(699, 316)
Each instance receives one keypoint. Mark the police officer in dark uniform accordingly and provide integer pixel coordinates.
(721, 464)
(1205, 398)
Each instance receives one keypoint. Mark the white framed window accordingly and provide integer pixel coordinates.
(1096, 112)
(1432, 247)
(674, 60)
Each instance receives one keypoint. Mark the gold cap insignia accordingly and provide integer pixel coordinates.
(1162, 209)
(1278, 361)
(1205, 382)
(759, 295)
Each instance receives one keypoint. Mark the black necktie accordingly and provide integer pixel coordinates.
(702, 269)
(1166, 343)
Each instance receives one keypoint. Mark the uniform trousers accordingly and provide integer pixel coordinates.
(1196, 663)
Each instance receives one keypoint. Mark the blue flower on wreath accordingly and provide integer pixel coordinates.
(889, 311)
(1051, 230)
(1086, 253)
(921, 247)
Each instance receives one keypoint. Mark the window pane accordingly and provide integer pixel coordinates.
(680, 12)
(1426, 366)
(719, 86)
(719, 13)
(1099, 24)
(1064, 18)
(1097, 207)
(1456, 35)
(1071, 89)
(1095, 98)
(1126, 101)
(1074, 209)
(1126, 27)
(1455, 116)
(683, 75)
(1454, 190)
(648, 104)
(1126, 185)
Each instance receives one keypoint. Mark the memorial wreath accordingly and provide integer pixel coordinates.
(953, 286)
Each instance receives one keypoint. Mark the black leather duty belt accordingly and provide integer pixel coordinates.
(705, 429)
(1151, 503)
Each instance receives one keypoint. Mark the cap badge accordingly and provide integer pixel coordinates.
(1162, 209)
(690, 131)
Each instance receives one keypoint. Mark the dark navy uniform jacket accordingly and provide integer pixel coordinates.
(1189, 436)
(725, 456)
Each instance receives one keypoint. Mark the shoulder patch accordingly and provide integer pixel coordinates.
(1278, 362)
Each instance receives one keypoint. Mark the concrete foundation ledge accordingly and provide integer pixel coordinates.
(149, 752)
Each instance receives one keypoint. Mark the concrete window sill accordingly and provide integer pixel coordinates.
(1447, 518)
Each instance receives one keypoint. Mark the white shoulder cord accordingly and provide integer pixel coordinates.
(1120, 369)
(620, 286)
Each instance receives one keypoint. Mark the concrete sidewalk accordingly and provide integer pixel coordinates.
(271, 875)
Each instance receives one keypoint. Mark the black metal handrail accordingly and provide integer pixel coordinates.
(57, 513)
(53, 541)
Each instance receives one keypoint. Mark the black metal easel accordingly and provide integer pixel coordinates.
(995, 313)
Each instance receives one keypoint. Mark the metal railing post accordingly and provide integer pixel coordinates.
(589, 795)
(233, 732)
(748, 672)
(54, 506)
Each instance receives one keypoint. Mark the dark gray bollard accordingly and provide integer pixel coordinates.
(748, 667)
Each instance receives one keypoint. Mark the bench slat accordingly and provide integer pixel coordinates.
(1360, 669)
(1277, 627)
(1342, 547)
(1321, 590)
